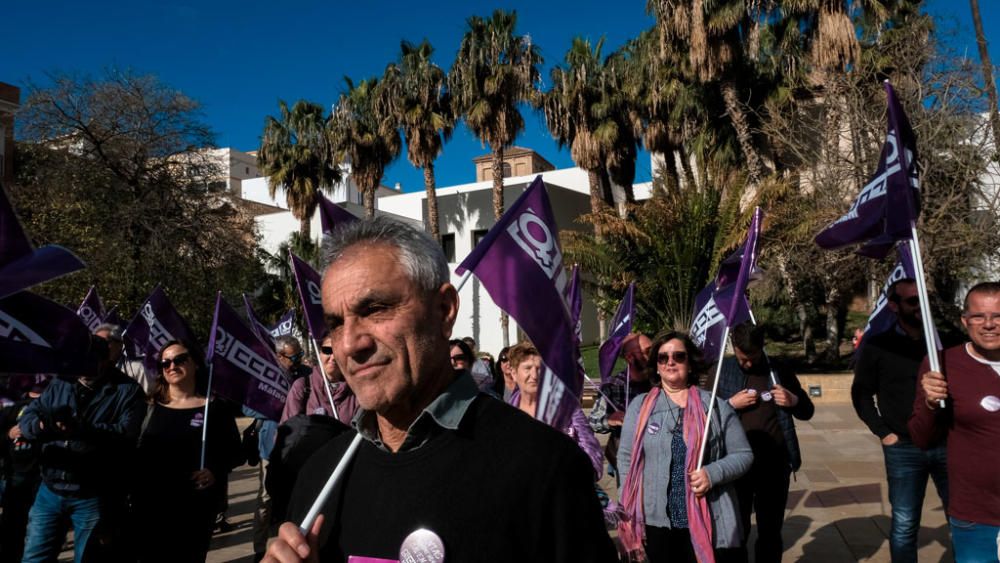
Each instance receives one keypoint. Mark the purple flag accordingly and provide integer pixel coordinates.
(731, 298)
(243, 369)
(259, 328)
(706, 329)
(285, 324)
(40, 336)
(889, 204)
(91, 310)
(621, 327)
(576, 304)
(520, 264)
(156, 323)
(331, 215)
(308, 282)
(113, 317)
(21, 264)
(723, 302)
(882, 318)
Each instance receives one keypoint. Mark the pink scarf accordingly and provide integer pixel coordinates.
(632, 529)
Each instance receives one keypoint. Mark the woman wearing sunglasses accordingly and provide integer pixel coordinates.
(173, 492)
(324, 392)
(671, 506)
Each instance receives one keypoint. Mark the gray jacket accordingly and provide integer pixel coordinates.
(728, 457)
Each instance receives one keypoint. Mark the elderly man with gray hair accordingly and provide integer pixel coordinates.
(429, 436)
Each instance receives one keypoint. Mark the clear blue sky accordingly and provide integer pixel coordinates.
(239, 58)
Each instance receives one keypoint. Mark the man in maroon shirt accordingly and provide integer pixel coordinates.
(970, 421)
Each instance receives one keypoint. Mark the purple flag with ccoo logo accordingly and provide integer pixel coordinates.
(520, 264)
(258, 327)
(91, 310)
(308, 282)
(889, 203)
(40, 336)
(156, 323)
(243, 368)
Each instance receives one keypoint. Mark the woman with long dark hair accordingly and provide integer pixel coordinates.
(675, 510)
(175, 496)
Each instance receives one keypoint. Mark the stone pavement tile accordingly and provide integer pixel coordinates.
(821, 544)
(863, 537)
(820, 475)
(856, 469)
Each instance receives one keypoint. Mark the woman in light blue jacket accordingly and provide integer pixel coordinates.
(673, 504)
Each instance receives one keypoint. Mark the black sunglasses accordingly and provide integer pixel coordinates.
(912, 301)
(680, 356)
(326, 350)
(177, 360)
(459, 358)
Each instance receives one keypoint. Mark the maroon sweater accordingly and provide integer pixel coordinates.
(971, 424)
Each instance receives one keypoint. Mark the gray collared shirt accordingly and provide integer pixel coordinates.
(445, 412)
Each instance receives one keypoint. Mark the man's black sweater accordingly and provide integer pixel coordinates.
(503, 487)
(887, 371)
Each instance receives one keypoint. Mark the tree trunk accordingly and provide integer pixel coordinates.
(833, 323)
(755, 169)
(305, 227)
(671, 178)
(805, 328)
(689, 178)
(991, 86)
(432, 203)
(369, 194)
(497, 213)
(596, 201)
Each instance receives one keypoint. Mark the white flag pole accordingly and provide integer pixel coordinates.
(715, 390)
(925, 305)
(326, 381)
(461, 281)
(324, 495)
(204, 422)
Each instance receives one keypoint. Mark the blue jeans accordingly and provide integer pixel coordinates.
(47, 528)
(975, 543)
(907, 468)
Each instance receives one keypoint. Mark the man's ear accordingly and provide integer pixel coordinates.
(448, 308)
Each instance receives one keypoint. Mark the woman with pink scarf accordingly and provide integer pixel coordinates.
(673, 509)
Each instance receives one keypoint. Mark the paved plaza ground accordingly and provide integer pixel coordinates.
(838, 508)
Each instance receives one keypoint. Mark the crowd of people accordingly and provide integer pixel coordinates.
(450, 445)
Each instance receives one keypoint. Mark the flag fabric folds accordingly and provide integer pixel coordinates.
(243, 368)
(156, 323)
(308, 282)
(723, 302)
(889, 203)
(882, 318)
(40, 336)
(576, 305)
(331, 215)
(91, 310)
(285, 324)
(621, 327)
(21, 264)
(259, 328)
(520, 264)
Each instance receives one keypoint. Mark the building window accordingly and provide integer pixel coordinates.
(477, 235)
(506, 170)
(448, 245)
(248, 170)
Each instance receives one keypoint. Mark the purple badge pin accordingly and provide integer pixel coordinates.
(766, 396)
(422, 546)
(653, 428)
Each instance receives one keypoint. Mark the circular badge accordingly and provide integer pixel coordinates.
(766, 396)
(990, 403)
(653, 428)
(422, 546)
(751, 392)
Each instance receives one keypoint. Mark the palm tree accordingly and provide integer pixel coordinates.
(576, 117)
(422, 106)
(494, 72)
(295, 154)
(364, 128)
